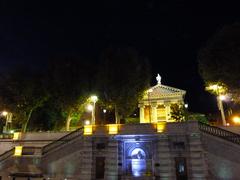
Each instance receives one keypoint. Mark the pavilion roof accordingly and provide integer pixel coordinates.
(160, 90)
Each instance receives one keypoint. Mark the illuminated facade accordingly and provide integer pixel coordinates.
(114, 152)
(156, 103)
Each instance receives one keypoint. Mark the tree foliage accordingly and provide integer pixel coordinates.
(219, 61)
(122, 78)
(69, 84)
(22, 92)
(177, 112)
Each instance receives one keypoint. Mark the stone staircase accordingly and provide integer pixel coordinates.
(220, 133)
(62, 141)
(221, 148)
(33, 157)
(222, 152)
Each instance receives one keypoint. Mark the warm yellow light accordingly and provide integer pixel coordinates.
(236, 119)
(4, 113)
(18, 151)
(161, 127)
(149, 90)
(16, 135)
(88, 130)
(216, 88)
(112, 128)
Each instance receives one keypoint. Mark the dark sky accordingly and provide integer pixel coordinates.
(168, 32)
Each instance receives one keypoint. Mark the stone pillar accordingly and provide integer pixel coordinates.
(164, 162)
(141, 114)
(154, 113)
(87, 159)
(111, 162)
(168, 112)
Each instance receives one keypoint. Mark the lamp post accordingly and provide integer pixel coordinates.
(219, 91)
(93, 100)
(104, 116)
(186, 111)
(8, 119)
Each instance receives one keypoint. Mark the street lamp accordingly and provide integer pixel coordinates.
(104, 115)
(219, 91)
(86, 122)
(8, 118)
(93, 100)
(236, 119)
(90, 107)
(5, 113)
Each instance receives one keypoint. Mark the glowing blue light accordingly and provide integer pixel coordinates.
(138, 162)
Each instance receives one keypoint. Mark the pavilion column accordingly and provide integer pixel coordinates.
(154, 113)
(141, 114)
(168, 112)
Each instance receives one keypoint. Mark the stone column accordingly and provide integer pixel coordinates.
(141, 114)
(154, 113)
(111, 162)
(164, 159)
(87, 159)
(168, 112)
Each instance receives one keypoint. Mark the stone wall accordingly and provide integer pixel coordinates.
(207, 157)
(222, 157)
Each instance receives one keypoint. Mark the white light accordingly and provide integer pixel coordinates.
(94, 98)
(11, 131)
(150, 90)
(214, 87)
(87, 122)
(186, 105)
(222, 97)
(89, 107)
(104, 110)
(4, 113)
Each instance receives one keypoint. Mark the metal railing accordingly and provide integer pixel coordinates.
(221, 133)
(63, 140)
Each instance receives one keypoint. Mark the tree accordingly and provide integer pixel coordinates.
(69, 84)
(219, 61)
(177, 112)
(122, 78)
(22, 92)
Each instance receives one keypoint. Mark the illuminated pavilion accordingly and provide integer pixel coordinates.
(156, 103)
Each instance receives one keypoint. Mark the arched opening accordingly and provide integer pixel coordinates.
(138, 162)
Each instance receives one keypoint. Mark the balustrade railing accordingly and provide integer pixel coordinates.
(63, 140)
(221, 133)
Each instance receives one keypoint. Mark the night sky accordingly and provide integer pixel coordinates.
(169, 33)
